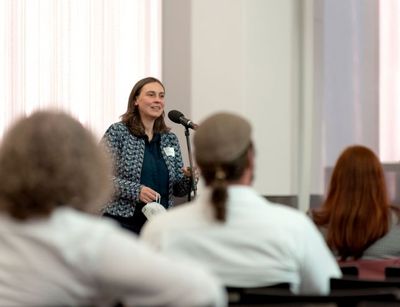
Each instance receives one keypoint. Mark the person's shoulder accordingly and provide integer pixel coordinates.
(169, 136)
(292, 218)
(116, 130)
(261, 205)
(118, 126)
(176, 217)
(80, 223)
(284, 209)
(182, 211)
(119, 131)
(395, 216)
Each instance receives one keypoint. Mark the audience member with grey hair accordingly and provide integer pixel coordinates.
(53, 253)
(236, 233)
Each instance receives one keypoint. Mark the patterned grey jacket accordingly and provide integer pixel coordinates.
(127, 151)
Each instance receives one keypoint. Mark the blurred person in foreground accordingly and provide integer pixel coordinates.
(53, 251)
(233, 231)
(356, 217)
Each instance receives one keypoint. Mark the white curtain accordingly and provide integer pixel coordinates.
(81, 56)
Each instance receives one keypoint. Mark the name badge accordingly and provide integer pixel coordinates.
(169, 151)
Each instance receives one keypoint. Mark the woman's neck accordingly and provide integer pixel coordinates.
(148, 127)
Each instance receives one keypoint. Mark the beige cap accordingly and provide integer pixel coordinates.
(222, 137)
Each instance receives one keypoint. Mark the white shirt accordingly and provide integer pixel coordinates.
(260, 243)
(76, 259)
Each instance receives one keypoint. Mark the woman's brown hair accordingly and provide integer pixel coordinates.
(49, 160)
(356, 210)
(218, 175)
(131, 118)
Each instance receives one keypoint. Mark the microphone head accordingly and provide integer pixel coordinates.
(175, 116)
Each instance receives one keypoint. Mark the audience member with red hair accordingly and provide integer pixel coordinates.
(356, 217)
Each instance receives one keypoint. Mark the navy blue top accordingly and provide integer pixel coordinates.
(154, 170)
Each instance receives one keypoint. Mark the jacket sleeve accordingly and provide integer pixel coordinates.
(125, 186)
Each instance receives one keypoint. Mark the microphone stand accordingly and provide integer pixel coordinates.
(193, 186)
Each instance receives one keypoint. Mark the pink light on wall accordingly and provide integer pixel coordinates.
(389, 80)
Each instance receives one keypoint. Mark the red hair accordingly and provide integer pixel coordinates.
(356, 210)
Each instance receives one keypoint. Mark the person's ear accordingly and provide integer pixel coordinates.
(251, 158)
(249, 171)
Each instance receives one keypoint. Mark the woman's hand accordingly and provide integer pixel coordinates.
(148, 195)
(187, 172)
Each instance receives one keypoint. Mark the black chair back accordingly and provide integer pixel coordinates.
(339, 298)
(392, 272)
(236, 294)
(355, 283)
(349, 270)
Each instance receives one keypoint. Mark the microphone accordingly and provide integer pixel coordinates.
(179, 118)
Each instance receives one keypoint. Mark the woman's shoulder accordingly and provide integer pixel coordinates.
(395, 216)
(387, 246)
(119, 130)
(169, 137)
(118, 126)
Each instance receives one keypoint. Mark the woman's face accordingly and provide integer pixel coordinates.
(151, 101)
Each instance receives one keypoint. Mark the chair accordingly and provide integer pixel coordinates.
(235, 294)
(369, 268)
(339, 298)
(392, 272)
(316, 200)
(349, 270)
(378, 304)
(356, 283)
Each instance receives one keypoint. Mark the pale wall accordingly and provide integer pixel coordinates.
(240, 56)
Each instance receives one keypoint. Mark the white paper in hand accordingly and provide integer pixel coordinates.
(152, 209)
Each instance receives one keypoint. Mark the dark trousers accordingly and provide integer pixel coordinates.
(133, 223)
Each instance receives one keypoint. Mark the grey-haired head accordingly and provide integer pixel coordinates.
(221, 138)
